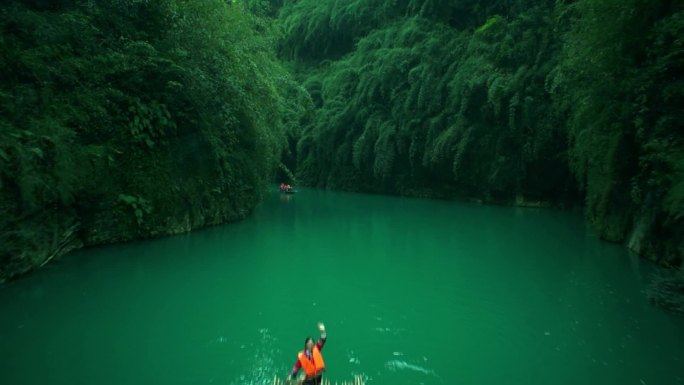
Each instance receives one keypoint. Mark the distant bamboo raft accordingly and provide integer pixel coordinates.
(358, 380)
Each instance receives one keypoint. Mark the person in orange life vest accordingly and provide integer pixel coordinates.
(311, 360)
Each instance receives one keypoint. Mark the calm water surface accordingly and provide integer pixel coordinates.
(411, 291)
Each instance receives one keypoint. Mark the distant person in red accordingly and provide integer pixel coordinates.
(310, 360)
(285, 187)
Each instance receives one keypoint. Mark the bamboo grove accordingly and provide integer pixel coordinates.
(521, 102)
(503, 101)
(133, 118)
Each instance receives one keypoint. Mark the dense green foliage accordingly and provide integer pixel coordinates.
(525, 102)
(435, 99)
(418, 105)
(131, 118)
(621, 88)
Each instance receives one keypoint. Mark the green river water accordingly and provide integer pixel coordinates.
(411, 291)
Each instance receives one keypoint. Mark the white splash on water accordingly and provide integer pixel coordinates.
(264, 367)
(395, 365)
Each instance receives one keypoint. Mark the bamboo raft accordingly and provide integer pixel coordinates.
(358, 380)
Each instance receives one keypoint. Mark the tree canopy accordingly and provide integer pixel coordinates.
(130, 118)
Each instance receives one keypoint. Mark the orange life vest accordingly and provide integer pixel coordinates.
(312, 368)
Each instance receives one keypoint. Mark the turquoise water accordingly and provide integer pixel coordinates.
(411, 292)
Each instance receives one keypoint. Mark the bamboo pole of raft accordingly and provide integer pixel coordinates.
(358, 380)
